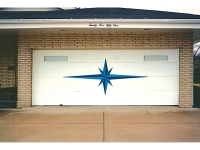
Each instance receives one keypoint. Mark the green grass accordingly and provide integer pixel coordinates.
(197, 84)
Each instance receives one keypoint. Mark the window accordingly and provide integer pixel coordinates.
(155, 58)
(55, 58)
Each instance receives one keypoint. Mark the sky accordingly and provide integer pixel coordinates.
(184, 6)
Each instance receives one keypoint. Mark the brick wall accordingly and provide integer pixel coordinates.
(181, 40)
(8, 49)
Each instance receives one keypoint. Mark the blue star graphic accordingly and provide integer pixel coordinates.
(105, 77)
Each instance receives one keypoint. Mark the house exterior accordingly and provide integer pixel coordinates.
(98, 56)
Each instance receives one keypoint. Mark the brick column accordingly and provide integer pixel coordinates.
(24, 74)
(186, 71)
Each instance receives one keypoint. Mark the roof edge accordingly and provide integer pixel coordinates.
(21, 9)
(99, 23)
(99, 20)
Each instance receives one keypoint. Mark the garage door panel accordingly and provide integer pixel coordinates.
(52, 98)
(65, 69)
(141, 98)
(145, 69)
(71, 69)
(120, 98)
(89, 56)
(137, 84)
(99, 55)
(145, 84)
(65, 84)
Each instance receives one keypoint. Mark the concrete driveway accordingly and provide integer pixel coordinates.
(100, 124)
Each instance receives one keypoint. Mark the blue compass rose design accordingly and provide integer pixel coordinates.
(105, 77)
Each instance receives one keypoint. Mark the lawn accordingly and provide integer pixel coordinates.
(197, 84)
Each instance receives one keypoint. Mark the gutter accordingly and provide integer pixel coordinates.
(100, 23)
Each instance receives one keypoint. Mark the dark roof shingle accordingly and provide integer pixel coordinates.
(98, 13)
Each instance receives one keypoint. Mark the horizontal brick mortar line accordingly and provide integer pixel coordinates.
(97, 123)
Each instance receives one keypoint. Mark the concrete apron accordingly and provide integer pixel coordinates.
(100, 124)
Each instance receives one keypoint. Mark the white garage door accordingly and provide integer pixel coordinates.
(80, 77)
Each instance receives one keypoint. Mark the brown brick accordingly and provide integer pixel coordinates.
(181, 40)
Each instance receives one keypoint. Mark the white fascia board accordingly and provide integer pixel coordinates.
(100, 23)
